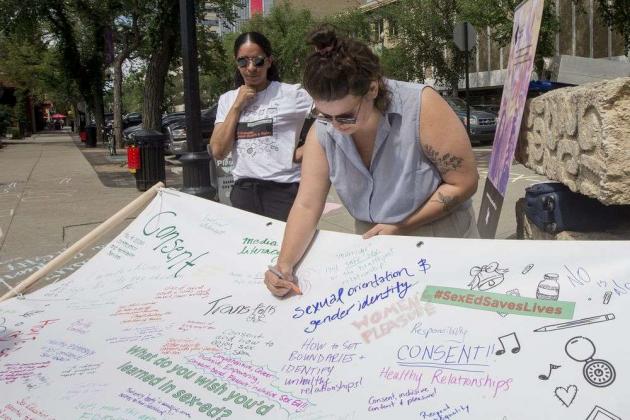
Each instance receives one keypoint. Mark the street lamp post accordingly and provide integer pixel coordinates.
(465, 38)
(196, 162)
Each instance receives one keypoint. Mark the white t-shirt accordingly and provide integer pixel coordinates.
(267, 132)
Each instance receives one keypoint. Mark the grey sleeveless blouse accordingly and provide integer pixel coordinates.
(400, 178)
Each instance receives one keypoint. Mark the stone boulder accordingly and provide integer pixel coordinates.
(580, 136)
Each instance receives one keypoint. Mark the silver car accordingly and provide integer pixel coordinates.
(175, 130)
(482, 124)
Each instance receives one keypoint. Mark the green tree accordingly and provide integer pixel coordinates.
(133, 87)
(34, 68)
(499, 15)
(160, 49)
(77, 29)
(395, 64)
(424, 33)
(616, 14)
(160, 40)
(424, 38)
(216, 66)
(5, 119)
(286, 28)
(127, 38)
(355, 23)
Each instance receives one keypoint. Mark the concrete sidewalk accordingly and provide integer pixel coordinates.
(53, 191)
(50, 196)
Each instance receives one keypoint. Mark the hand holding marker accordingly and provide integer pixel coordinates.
(294, 286)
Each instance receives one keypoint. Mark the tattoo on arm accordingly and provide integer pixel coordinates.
(445, 163)
(448, 202)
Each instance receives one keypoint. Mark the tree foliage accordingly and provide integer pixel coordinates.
(499, 16)
(396, 64)
(425, 31)
(34, 66)
(216, 67)
(425, 35)
(616, 14)
(77, 30)
(353, 23)
(287, 29)
(162, 45)
(126, 37)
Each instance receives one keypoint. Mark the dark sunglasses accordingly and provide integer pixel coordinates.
(257, 61)
(342, 119)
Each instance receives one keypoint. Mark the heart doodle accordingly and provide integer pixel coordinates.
(566, 395)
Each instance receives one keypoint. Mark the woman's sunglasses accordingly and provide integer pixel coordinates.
(342, 119)
(257, 61)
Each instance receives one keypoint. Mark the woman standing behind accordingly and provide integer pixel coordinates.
(260, 122)
(397, 154)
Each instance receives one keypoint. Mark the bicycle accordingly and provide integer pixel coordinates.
(110, 140)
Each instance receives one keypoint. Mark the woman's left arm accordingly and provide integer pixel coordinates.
(445, 143)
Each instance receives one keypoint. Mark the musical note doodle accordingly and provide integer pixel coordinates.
(515, 349)
(551, 368)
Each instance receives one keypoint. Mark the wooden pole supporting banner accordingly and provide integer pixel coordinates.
(85, 242)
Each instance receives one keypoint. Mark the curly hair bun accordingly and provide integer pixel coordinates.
(323, 38)
(340, 66)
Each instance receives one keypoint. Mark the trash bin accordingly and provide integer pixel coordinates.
(91, 135)
(150, 144)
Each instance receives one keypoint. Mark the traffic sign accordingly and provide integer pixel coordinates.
(463, 42)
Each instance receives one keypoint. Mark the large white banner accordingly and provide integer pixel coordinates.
(171, 320)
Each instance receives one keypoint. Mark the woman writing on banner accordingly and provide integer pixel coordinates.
(397, 154)
(260, 122)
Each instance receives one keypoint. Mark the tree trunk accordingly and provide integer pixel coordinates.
(99, 116)
(456, 88)
(118, 128)
(154, 88)
(75, 117)
(157, 68)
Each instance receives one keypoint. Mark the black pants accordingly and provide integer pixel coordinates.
(267, 198)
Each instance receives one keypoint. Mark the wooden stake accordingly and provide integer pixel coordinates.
(85, 242)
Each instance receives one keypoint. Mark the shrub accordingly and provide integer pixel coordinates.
(15, 132)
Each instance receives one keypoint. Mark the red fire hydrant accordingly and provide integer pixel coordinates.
(133, 159)
(83, 136)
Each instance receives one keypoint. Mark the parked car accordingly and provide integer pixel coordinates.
(131, 119)
(129, 132)
(489, 108)
(482, 124)
(174, 126)
(169, 118)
